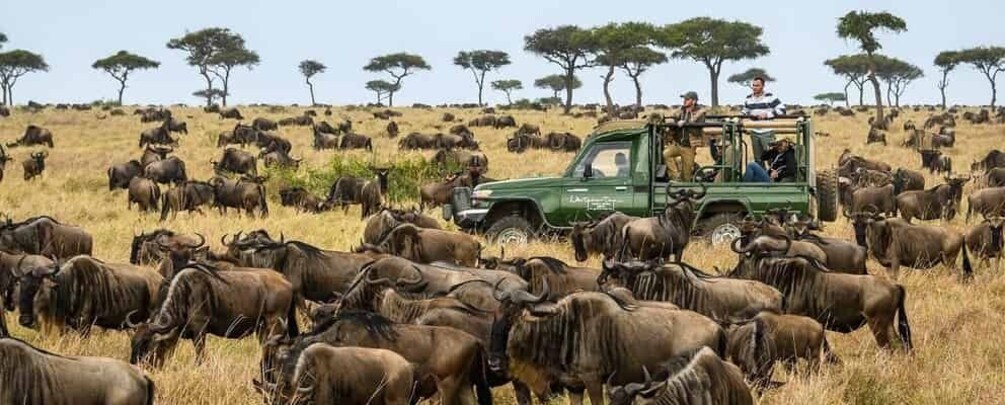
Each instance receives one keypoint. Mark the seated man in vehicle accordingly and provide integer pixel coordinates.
(783, 165)
(621, 162)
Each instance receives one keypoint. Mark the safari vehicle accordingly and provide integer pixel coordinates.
(600, 180)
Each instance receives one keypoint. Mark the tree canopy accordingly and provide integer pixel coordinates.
(480, 62)
(862, 26)
(713, 42)
(398, 65)
(121, 64)
(852, 67)
(897, 74)
(215, 52)
(612, 44)
(746, 78)
(567, 46)
(989, 60)
(830, 97)
(309, 68)
(13, 65)
(507, 86)
(381, 88)
(946, 61)
(556, 83)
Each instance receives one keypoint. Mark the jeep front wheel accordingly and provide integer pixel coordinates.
(510, 230)
(720, 228)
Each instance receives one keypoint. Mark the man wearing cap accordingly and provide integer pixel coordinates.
(783, 165)
(678, 142)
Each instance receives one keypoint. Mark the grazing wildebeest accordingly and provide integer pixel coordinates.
(355, 141)
(147, 248)
(698, 378)
(186, 196)
(35, 166)
(244, 193)
(170, 170)
(157, 136)
(175, 125)
(45, 236)
(236, 161)
(324, 140)
(85, 292)
(451, 141)
(301, 200)
(121, 174)
(201, 299)
(348, 190)
(144, 192)
(458, 158)
(30, 375)
(387, 219)
(33, 135)
(423, 245)
(232, 113)
(263, 124)
(153, 114)
(504, 121)
(989, 202)
(272, 157)
(895, 242)
(303, 120)
(756, 344)
(392, 129)
(602, 235)
(416, 140)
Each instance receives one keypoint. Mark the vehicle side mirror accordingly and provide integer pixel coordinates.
(588, 171)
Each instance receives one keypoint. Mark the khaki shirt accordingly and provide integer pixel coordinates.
(682, 136)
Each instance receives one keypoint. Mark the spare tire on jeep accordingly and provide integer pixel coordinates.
(827, 195)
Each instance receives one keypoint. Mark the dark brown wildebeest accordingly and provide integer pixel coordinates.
(355, 141)
(690, 288)
(147, 248)
(4, 111)
(244, 193)
(994, 158)
(400, 301)
(600, 236)
(121, 174)
(895, 242)
(12, 267)
(34, 376)
(665, 235)
(272, 157)
(985, 238)
(529, 129)
(4, 158)
(881, 198)
(232, 113)
(157, 136)
(175, 125)
(269, 141)
(388, 218)
(989, 202)
(325, 128)
(935, 161)
(86, 292)
(324, 140)
(144, 192)
(504, 121)
(461, 129)
(423, 245)
(324, 374)
(563, 142)
(698, 378)
(153, 114)
(447, 117)
(236, 161)
(170, 170)
(35, 166)
(446, 361)
(154, 153)
(570, 341)
(45, 236)
(849, 163)
(437, 194)
(994, 177)
(906, 180)
(459, 158)
(561, 278)
(240, 135)
(941, 201)
(416, 140)
(186, 196)
(392, 129)
(875, 136)
(348, 190)
(484, 121)
(842, 255)
(841, 302)
(201, 299)
(303, 121)
(451, 141)
(521, 142)
(33, 135)
(263, 124)
(302, 200)
(756, 344)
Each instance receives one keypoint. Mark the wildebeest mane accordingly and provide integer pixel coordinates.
(27, 377)
(375, 324)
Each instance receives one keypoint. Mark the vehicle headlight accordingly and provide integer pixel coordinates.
(481, 194)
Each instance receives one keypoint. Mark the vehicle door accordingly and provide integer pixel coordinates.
(608, 187)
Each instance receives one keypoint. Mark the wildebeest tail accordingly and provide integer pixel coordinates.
(261, 200)
(150, 390)
(111, 185)
(164, 206)
(968, 269)
(292, 327)
(829, 355)
(369, 145)
(479, 378)
(903, 327)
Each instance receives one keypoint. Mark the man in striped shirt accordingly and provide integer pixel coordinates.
(760, 105)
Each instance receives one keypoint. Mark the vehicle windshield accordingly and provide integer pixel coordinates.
(610, 159)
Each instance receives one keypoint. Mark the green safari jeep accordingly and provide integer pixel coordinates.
(621, 168)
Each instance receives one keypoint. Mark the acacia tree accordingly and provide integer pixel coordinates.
(557, 83)
(398, 65)
(209, 94)
(861, 26)
(610, 44)
(989, 61)
(897, 74)
(946, 61)
(215, 52)
(635, 62)
(15, 64)
(309, 68)
(854, 68)
(831, 97)
(712, 42)
(382, 88)
(121, 64)
(746, 79)
(480, 62)
(507, 86)
(567, 46)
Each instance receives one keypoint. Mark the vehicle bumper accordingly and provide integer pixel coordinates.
(470, 218)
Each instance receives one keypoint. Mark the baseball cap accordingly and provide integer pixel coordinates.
(691, 94)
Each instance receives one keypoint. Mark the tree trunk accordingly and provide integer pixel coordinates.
(481, 85)
(714, 76)
(390, 99)
(889, 96)
(226, 87)
(861, 94)
(122, 88)
(607, 91)
(508, 99)
(847, 104)
(311, 86)
(942, 87)
(994, 90)
(879, 97)
(638, 91)
(570, 74)
(209, 87)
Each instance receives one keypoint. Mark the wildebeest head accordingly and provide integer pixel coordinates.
(139, 246)
(995, 223)
(513, 304)
(39, 158)
(179, 252)
(581, 236)
(149, 346)
(625, 395)
(39, 279)
(860, 222)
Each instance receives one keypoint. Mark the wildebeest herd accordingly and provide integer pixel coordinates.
(416, 311)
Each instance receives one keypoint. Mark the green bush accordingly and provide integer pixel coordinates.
(403, 181)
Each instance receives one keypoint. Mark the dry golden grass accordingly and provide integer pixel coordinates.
(959, 356)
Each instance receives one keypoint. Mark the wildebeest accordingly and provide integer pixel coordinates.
(175, 125)
(588, 338)
(186, 196)
(484, 121)
(85, 292)
(302, 200)
(147, 248)
(153, 114)
(33, 135)
(201, 299)
(423, 245)
(665, 235)
(690, 288)
(989, 202)
(417, 140)
(699, 377)
(756, 344)
(985, 238)
(170, 170)
(35, 166)
(325, 127)
(121, 174)
(4, 158)
(905, 180)
(356, 141)
(348, 190)
(236, 161)
(272, 157)
(392, 129)
(263, 124)
(303, 120)
(154, 153)
(270, 142)
(157, 136)
(12, 267)
(456, 159)
(881, 198)
(244, 193)
(451, 141)
(144, 192)
(935, 161)
(875, 136)
(504, 121)
(34, 376)
(602, 235)
(232, 113)
(45, 236)
(941, 201)
(994, 177)
(894, 242)
(841, 302)
(387, 219)
(994, 158)
(324, 140)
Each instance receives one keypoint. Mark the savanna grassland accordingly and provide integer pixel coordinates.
(959, 354)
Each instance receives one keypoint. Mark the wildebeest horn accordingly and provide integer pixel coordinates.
(159, 327)
(735, 246)
(505, 296)
(129, 321)
(223, 240)
(524, 297)
(202, 241)
(282, 238)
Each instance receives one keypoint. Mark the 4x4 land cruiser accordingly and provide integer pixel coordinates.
(516, 210)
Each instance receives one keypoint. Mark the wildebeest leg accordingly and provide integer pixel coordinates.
(595, 387)
(894, 269)
(881, 327)
(575, 395)
(199, 341)
(519, 389)
(448, 389)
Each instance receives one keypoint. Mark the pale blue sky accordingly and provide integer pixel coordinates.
(344, 35)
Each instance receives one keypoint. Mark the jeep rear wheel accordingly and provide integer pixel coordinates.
(827, 195)
(511, 230)
(720, 228)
